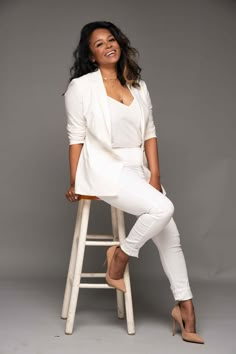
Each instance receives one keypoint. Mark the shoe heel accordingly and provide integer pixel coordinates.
(173, 326)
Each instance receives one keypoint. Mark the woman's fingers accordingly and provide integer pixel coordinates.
(71, 196)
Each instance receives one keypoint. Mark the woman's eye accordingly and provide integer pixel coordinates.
(112, 39)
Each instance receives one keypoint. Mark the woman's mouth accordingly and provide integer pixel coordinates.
(111, 53)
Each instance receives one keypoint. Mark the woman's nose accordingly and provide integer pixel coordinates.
(109, 45)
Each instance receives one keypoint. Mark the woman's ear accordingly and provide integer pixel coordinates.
(91, 58)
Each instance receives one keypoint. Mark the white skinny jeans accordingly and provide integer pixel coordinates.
(154, 212)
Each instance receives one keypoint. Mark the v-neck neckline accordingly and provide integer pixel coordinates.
(121, 102)
(129, 88)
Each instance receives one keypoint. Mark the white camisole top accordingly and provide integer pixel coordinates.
(125, 123)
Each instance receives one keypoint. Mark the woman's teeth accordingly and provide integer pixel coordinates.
(110, 53)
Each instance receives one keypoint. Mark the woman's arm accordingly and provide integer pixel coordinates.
(151, 145)
(76, 129)
(151, 151)
(74, 155)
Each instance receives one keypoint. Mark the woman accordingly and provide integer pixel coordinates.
(113, 154)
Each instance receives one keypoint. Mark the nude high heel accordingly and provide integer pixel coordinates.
(187, 336)
(116, 283)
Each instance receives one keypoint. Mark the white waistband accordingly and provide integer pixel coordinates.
(130, 156)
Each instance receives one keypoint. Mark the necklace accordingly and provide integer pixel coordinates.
(108, 78)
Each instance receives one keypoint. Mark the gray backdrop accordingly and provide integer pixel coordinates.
(187, 52)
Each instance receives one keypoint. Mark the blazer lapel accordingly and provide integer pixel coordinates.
(138, 97)
(102, 97)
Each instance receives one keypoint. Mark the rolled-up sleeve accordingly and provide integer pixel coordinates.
(150, 129)
(76, 122)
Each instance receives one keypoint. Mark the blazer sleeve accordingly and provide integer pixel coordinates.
(76, 122)
(150, 129)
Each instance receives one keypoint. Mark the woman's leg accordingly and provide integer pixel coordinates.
(154, 213)
(155, 221)
(174, 265)
(173, 261)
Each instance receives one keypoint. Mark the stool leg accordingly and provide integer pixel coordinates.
(114, 223)
(128, 294)
(71, 269)
(78, 266)
(119, 294)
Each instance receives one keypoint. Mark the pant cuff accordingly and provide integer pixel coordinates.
(129, 251)
(182, 294)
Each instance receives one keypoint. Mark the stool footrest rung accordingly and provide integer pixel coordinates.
(99, 237)
(95, 286)
(89, 275)
(102, 243)
(93, 275)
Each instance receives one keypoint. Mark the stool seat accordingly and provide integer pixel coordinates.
(90, 197)
(73, 282)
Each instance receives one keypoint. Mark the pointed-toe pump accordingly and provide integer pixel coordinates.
(116, 283)
(187, 336)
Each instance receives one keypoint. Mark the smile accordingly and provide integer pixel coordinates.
(111, 53)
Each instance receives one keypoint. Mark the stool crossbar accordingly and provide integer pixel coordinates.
(74, 275)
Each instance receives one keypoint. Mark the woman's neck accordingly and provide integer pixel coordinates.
(108, 72)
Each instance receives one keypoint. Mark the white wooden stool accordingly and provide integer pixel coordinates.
(73, 282)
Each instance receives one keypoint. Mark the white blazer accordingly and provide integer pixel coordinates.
(89, 122)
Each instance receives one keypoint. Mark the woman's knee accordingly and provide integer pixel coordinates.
(165, 208)
(169, 208)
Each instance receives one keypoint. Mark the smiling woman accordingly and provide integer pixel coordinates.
(113, 154)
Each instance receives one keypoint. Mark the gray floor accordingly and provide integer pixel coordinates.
(31, 323)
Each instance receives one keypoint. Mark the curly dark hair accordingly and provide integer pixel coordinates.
(128, 71)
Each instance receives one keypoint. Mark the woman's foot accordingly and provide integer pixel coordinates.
(188, 315)
(187, 325)
(118, 264)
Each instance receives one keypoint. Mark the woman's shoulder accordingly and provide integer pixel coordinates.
(142, 84)
(85, 78)
(82, 80)
(143, 87)
(80, 84)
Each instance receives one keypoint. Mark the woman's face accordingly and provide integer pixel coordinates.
(101, 43)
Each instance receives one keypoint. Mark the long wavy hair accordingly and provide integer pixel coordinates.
(128, 71)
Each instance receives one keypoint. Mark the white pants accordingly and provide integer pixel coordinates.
(154, 212)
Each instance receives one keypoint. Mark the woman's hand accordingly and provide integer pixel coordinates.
(156, 183)
(70, 194)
